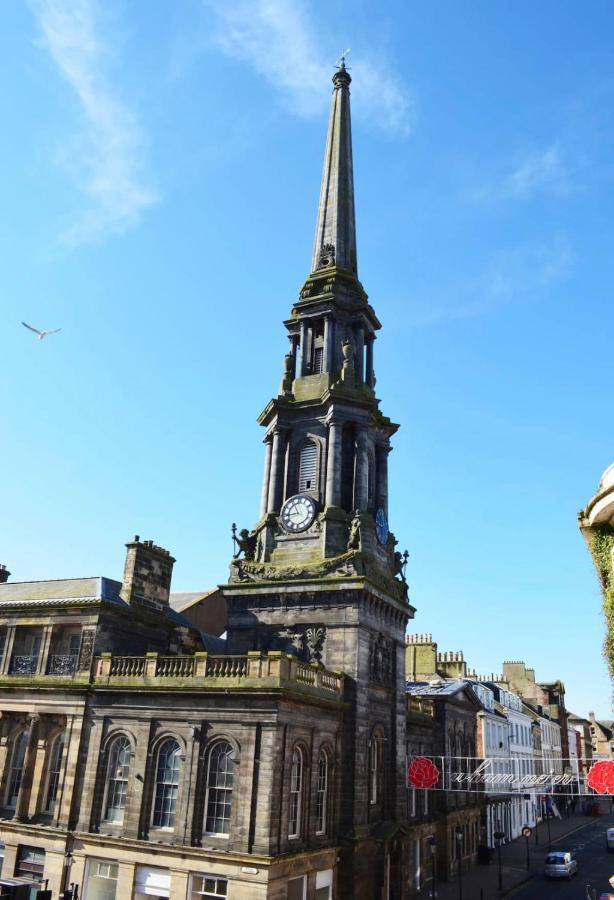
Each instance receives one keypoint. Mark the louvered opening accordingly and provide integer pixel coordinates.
(318, 360)
(308, 467)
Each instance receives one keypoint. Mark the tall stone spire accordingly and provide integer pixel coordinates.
(335, 242)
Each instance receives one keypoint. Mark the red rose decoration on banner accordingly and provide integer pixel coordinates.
(601, 776)
(422, 773)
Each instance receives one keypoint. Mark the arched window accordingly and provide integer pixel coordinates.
(53, 774)
(220, 782)
(118, 771)
(167, 785)
(16, 771)
(308, 467)
(296, 792)
(322, 793)
(376, 745)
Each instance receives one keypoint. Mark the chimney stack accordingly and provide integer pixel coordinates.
(147, 575)
(4, 574)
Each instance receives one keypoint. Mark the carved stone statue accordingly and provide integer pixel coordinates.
(287, 381)
(247, 544)
(326, 256)
(354, 535)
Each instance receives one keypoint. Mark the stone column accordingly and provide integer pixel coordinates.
(381, 476)
(268, 442)
(369, 375)
(293, 351)
(21, 807)
(70, 771)
(277, 471)
(303, 340)
(333, 464)
(329, 344)
(43, 656)
(8, 649)
(359, 353)
(361, 469)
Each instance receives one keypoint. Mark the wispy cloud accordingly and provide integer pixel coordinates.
(523, 274)
(282, 42)
(541, 172)
(105, 159)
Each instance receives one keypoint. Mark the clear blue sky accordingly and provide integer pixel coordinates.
(160, 172)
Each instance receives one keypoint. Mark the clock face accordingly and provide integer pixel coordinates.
(298, 513)
(381, 526)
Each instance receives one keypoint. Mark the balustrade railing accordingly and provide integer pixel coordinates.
(23, 665)
(127, 666)
(273, 669)
(175, 666)
(62, 664)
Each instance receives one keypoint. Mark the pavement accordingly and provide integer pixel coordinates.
(481, 882)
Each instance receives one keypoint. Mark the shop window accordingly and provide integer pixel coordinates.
(30, 862)
(207, 886)
(101, 879)
(167, 785)
(297, 888)
(220, 783)
(324, 885)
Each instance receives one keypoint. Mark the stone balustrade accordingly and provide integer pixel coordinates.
(256, 670)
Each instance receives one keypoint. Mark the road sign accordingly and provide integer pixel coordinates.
(527, 831)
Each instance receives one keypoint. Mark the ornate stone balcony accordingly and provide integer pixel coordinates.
(255, 671)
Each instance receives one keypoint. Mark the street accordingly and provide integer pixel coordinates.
(595, 866)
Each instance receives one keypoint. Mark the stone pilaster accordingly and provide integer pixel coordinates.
(277, 471)
(23, 800)
(361, 487)
(266, 476)
(333, 464)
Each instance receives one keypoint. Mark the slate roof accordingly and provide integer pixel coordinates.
(59, 591)
(183, 600)
(443, 688)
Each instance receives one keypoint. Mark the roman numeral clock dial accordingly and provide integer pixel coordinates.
(298, 513)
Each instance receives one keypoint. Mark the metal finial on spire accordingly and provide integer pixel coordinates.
(342, 58)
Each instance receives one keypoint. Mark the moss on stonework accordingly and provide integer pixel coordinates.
(602, 549)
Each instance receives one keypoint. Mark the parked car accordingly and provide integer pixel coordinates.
(609, 839)
(561, 864)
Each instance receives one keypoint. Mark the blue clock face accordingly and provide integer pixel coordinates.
(381, 526)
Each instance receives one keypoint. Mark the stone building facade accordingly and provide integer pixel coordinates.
(137, 760)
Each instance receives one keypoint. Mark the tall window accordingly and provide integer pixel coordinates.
(308, 464)
(322, 793)
(118, 771)
(167, 785)
(296, 791)
(53, 777)
(220, 782)
(317, 350)
(16, 772)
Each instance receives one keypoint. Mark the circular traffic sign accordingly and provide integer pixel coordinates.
(527, 831)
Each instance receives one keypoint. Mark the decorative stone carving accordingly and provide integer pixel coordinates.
(354, 535)
(326, 256)
(87, 649)
(380, 661)
(307, 641)
(347, 564)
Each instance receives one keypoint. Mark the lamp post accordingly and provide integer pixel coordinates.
(499, 835)
(432, 842)
(459, 857)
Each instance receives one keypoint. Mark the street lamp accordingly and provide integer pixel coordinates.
(499, 835)
(459, 857)
(432, 842)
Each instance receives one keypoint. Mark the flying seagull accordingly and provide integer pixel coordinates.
(41, 334)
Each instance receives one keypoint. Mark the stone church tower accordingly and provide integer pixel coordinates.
(319, 576)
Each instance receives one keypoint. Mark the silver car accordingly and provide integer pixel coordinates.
(561, 864)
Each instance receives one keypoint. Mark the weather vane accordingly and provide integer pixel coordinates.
(342, 58)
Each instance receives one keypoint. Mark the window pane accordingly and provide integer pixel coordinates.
(296, 888)
(220, 780)
(55, 766)
(167, 785)
(118, 771)
(208, 886)
(296, 784)
(17, 760)
(101, 879)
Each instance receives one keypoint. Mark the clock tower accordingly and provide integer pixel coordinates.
(319, 576)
